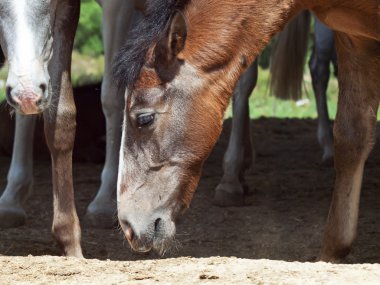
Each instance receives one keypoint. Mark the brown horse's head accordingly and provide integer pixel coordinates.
(173, 117)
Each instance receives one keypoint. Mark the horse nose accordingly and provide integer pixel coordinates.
(140, 236)
(43, 94)
(27, 100)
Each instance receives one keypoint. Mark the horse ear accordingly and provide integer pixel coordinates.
(177, 34)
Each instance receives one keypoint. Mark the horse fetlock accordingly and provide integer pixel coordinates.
(334, 252)
(67, 234)
(101, 213)
(20, 183)
(102, 204)
(233, 166)
(328, 155)
(15, 194)
(229, 192)
(337, 241)
(12, 215)
(325, 140)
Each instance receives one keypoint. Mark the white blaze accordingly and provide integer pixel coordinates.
(25, 53)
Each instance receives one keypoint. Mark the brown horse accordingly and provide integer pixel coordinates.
(181, 69)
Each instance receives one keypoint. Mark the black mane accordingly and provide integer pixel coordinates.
(130, 59)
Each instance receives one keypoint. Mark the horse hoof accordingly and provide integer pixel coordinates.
(11, 217)
(334, 251)
(328, 154)
(227, 199)
(99, 218)
(74, 251)
(101, 214)
(99, 221)
(330, 258)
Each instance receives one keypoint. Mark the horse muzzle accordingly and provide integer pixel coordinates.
(28, 101)
(147, 234)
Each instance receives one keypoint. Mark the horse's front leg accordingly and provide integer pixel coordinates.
(239, 154)
(20, 175)
(101, 212)
(354, 137)
(319, 65)
(60, 133)
(60, 126)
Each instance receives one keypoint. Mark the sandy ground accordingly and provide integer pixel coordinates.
(290, 195)
(183, 270)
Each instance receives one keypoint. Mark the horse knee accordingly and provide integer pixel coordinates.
(112, 105)
(353, 140)
(319, 67)
(112, 100)
(60, 132)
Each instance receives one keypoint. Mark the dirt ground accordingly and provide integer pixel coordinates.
(290, 196)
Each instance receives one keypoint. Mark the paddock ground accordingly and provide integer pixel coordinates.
(272, 240)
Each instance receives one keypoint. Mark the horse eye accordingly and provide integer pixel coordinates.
(144, 120)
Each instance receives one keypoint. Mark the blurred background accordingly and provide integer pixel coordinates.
(88, 61)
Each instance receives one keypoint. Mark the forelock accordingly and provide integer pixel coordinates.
(149, 30)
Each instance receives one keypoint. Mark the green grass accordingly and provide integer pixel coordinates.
(262, 104)
(86, 69)
(3, 78)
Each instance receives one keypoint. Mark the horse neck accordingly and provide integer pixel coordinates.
(224, 37)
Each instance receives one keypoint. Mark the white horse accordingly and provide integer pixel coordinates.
(37, 39)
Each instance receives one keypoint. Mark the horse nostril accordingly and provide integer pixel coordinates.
(157, 225)
(8, 94)
(43, 87)
(129, 234)
(8, 91)
(38, 102)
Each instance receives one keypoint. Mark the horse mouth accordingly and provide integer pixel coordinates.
(141, 248)
(29, 109)
(159, 246)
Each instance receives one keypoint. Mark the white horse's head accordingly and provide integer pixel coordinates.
(26, 37)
